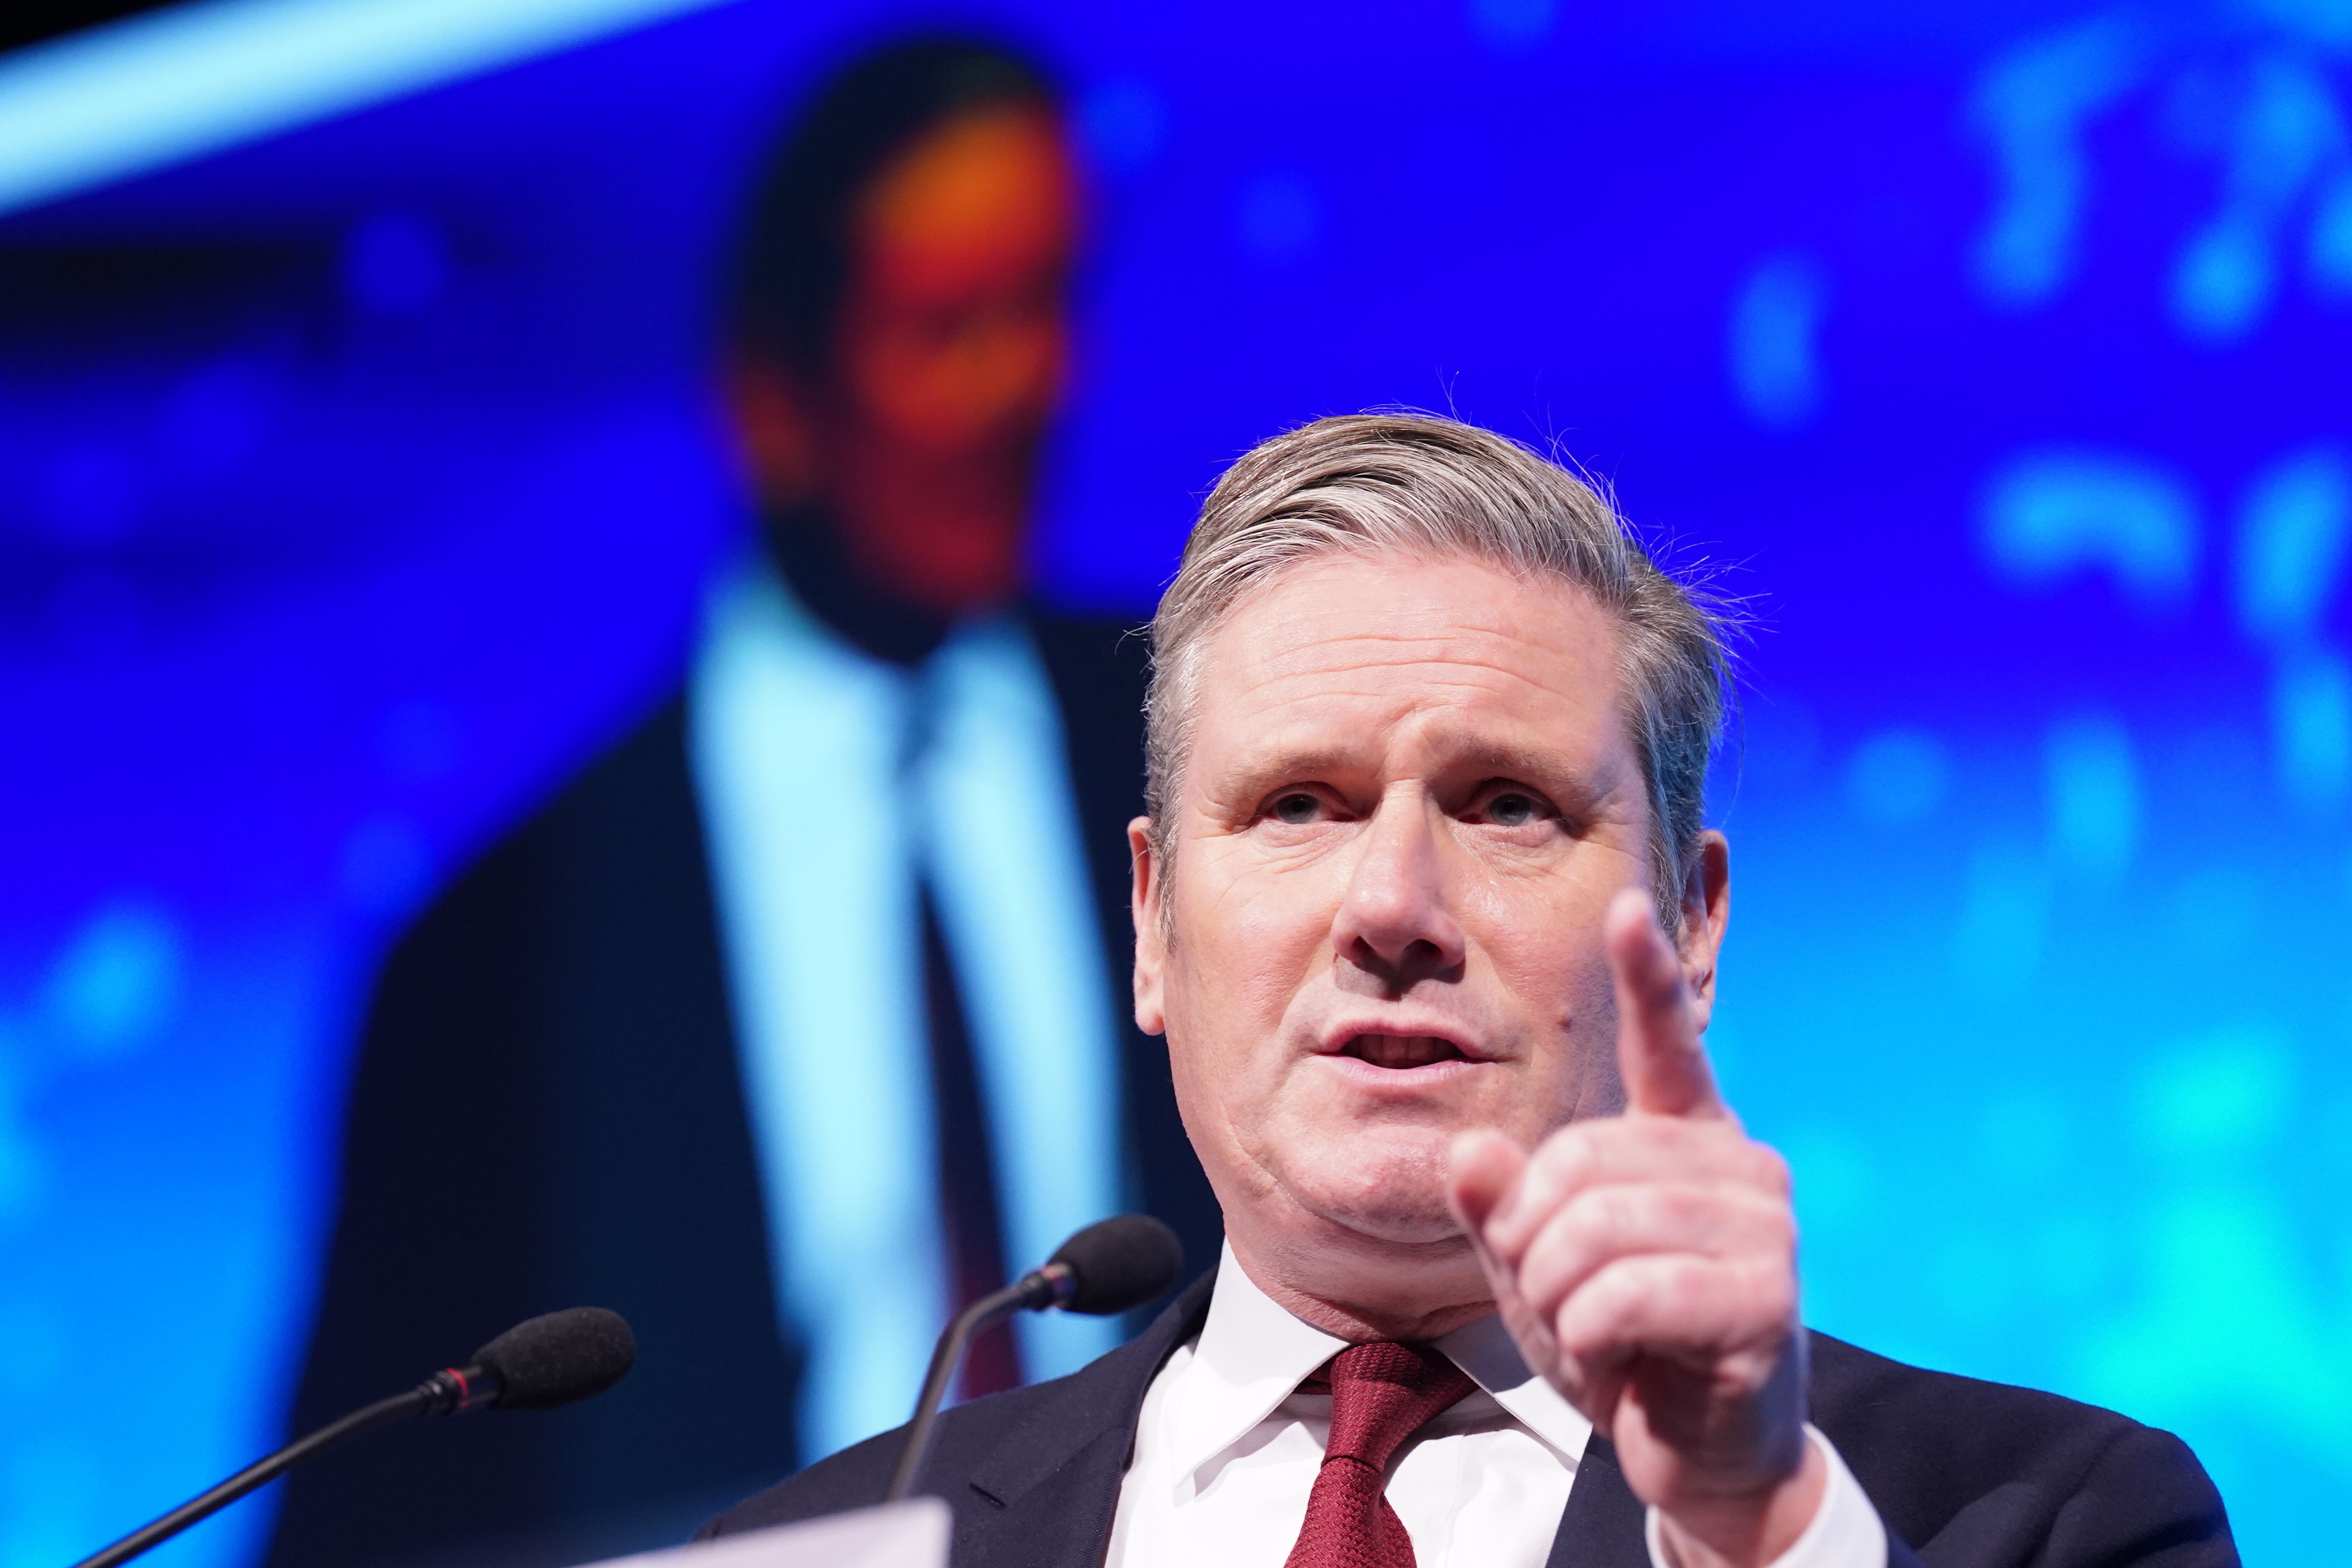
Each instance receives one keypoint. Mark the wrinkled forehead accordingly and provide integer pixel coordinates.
(1365, 651)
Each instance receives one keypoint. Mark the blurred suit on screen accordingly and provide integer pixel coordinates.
(801, 1014)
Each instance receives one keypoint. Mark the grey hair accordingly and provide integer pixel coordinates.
(1421, 484)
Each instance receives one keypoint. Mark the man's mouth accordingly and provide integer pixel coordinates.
(1402, 1051)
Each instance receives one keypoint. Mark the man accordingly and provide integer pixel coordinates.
(795, 1021)
(1426, 906)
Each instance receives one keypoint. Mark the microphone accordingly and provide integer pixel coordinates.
(535, 1365)
(1110, 1267)
(548, 1361)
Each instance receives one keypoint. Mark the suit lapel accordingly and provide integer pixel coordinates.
(1602, 1526)
(1044, 1496)
(1061, 1519)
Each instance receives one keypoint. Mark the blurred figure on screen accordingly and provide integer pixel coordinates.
(799, 1017)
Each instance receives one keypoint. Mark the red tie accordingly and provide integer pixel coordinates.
(1382, 1393)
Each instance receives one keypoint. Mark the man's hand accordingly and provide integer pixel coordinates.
(1646, 1265)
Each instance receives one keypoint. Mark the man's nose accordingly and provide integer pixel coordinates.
(1394, 921)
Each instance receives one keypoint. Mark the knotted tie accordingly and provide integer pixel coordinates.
(1382, 1393)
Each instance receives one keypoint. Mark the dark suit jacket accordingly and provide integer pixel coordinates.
(546, 1112)
(1965, 1474)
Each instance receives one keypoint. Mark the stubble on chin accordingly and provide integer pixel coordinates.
(1386, 1189)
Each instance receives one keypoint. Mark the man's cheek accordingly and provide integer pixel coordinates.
(1216, 1053)
(1260, 900)
(1255, 954)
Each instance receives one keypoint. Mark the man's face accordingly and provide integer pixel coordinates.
(953, 338)
(948, 355)
(1410, 796)
(950, 352)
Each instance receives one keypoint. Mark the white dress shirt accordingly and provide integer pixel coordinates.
(830, 780)
(1227, 1450)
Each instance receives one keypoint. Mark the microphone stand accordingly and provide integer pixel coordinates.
(1040, 1288)
(444, 1391)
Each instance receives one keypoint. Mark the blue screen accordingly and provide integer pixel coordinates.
(1992, 358)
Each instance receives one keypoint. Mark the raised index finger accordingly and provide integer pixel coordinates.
(1663, 1064)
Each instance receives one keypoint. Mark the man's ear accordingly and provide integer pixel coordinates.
(772, 429)
(1707, 912)
(1151, 937)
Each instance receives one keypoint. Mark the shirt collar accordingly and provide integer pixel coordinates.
(1487, 1353)
(1252, 1354)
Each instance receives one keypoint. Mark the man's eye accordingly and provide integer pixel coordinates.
(1296, 809)
(1513, 810)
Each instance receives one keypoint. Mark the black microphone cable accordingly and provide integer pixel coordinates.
(535, 1365)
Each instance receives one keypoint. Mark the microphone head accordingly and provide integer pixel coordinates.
(1120, 1262)
(556, 1359)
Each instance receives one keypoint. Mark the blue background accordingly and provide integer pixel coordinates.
(1994, 353)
